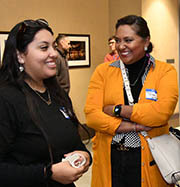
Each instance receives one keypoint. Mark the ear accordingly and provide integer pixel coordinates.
(20, 57)
(61, 42)
(147, 41)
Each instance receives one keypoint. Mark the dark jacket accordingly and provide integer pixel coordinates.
(63, 71)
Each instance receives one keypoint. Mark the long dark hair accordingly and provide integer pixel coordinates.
(139, 25)
(19, 38)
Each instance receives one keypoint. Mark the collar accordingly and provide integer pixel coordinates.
(61, 52)
(117, 62)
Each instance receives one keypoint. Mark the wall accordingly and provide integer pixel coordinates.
(74, 17)
(162, 18)
(120, 8)
(179, 45)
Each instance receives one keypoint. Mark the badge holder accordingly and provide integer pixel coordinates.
(73, 158)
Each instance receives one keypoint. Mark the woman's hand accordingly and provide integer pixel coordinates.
(127, 126)
(108, 109)
(142, 128)
(85, 154)
(64, 173)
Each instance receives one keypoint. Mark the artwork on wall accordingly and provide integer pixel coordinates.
(79, 54)
(3, 38)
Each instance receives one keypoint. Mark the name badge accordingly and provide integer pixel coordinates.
(151, 94)
(64, 112)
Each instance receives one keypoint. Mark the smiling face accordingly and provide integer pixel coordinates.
(40, 57)
(129, 45)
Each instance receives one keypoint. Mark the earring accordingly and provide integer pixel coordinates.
(21, 68)
(145, 48)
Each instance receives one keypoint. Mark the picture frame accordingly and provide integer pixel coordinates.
(79, 54)
(3, 38)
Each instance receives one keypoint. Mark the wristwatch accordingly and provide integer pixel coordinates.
(117, 110)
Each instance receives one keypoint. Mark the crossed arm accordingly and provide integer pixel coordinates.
(126, 125)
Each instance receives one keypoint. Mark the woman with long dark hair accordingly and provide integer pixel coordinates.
(38, 127)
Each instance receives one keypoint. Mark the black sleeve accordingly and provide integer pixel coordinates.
(12, 173)
(81, 146)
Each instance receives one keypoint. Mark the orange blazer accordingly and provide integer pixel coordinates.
(106, 87)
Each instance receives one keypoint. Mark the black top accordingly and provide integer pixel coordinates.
(23, 148)
(135, 72)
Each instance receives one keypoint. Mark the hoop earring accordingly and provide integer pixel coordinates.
(145, 48)
(21, 68)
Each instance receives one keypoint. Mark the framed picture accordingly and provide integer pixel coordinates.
(3, 38)
(79, 54)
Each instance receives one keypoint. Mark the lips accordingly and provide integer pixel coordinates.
(51, 64)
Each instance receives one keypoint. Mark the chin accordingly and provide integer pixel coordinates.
(127, 61)
(51, 74)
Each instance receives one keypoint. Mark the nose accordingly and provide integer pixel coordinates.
(53, 53)
(120, 46)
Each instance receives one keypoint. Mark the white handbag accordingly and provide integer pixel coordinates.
(165, 150)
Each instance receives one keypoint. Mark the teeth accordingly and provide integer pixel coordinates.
(51, 63)
(125, 53)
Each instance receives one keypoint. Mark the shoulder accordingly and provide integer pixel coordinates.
(10, 93)
(106, 69)
(109, 54)
(163, 66)
(103, 66)
(60, 57)
(108, 57)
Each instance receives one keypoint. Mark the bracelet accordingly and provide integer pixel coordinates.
(135, 129)
(48, 172)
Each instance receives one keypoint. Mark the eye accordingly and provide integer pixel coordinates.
(44, 47)
(117, 40)
(128, 40)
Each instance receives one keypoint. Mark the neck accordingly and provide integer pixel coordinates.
(36, 85)
(61, 50)
(115, 52)
(136, 65)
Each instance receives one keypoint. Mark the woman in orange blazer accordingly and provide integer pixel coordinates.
(121, 157)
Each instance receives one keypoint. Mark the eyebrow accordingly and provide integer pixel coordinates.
(43, 42)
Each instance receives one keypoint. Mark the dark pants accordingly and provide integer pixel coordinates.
(126, 167)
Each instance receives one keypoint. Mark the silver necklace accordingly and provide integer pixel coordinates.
(139, 75)
(48, 102)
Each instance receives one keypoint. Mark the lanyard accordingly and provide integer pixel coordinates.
(127, 83)
(128, 88)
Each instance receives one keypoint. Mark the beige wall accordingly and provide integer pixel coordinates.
(162, 17)
(119, 8)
